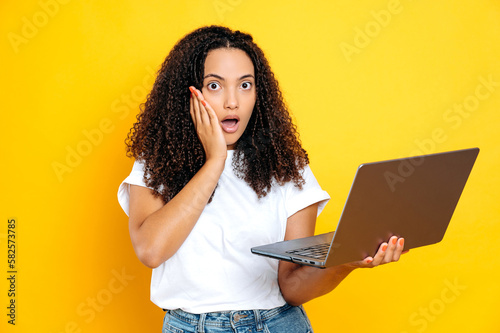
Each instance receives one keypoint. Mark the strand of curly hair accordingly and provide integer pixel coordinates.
(164, 137)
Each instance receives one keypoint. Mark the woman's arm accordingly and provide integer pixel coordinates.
(157, 230)
(300, 284)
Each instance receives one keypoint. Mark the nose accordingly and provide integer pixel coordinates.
(231, 99)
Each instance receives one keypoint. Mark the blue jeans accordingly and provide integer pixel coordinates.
(285, 319)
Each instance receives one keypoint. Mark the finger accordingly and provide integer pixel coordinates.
(214, 120)
(399, 249)
(368, 262)
(196, 111)
(380, 255)
(207, 112)
(391, 249)
(365, 263)
(191, 108)
(205, 115)
(201, 103)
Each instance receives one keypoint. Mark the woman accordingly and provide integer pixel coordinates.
(219, 169)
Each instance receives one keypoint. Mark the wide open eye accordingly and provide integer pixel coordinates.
(246, 85)
(213, 86)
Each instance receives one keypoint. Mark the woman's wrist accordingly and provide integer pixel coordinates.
(215, 163)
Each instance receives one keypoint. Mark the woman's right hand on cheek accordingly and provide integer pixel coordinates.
(207, 126)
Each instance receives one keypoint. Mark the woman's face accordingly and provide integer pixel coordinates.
(229, 87)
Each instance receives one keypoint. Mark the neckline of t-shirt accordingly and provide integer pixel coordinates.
(229, 158)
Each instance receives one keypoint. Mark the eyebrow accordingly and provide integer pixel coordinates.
(222, 79)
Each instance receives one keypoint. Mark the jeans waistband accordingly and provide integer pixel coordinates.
(228, 318)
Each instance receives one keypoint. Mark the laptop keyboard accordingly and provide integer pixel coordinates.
(318, 251)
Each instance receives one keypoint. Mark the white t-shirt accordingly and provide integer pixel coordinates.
(214, 269)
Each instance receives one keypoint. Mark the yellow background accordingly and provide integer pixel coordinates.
(365, 80)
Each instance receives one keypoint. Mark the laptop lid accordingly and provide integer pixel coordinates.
(411, 197)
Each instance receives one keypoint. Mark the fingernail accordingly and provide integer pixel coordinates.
(384, 247)
(204, 103)
(191, 89)
(402, 242)
(369, 261)
(394, 240)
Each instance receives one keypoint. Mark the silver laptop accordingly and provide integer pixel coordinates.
(412, 197)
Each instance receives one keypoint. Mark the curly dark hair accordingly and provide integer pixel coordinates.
(164, 137)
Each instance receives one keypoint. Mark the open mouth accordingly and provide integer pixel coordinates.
(230, 124)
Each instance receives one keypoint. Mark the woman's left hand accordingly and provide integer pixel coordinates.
(300, 284)
(387, 252)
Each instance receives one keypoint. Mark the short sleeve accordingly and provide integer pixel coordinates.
(311, 193)
(136, 177)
